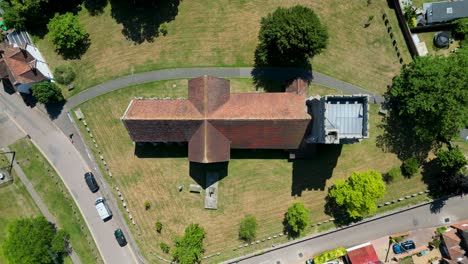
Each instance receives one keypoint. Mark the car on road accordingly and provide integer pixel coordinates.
(403, 247)
(2, 176)
(102, 208)
(91, 182)
(120, 237)
(310, 261)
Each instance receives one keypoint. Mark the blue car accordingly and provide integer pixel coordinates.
(404, 247)
(310, 261)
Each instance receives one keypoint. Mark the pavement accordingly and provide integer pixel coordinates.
(71, 166)
(417, 217)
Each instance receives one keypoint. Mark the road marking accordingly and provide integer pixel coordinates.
(69, 116)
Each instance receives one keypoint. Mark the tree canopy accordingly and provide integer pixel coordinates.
(189, 248)
(66, 32)
(297, 219)
(25, 13)
(248, 228)
(290, 36)
(47, 92)
(451, 161)
(427, 104)
(461, 27)
(358, 194)
(34, 241)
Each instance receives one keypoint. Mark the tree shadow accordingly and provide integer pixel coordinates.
(141, 18)
(28, 99)
(275, 72)
(312, 173)
(397, 138)
(437, 205)
(76, 53)
(431, 176)
(161, 150)
(95, 7)
(198, 172)
(54, 109)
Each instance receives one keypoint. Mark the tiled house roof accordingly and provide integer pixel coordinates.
(19, 66)
(213, 120)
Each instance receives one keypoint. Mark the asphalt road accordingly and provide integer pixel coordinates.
(62, 154)
(456, 209)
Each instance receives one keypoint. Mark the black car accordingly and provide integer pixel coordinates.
(120, 237)
(92, 184)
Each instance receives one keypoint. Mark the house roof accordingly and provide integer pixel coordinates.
(212, 120)
(447, 11)
(363, 254)
(463, 225)
(452, 243)
(19, 65)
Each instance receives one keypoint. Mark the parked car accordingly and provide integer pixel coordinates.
(310, 261)
(91, 182)
(403, 247)
(102, 208)
(120, 237)
(2, 176)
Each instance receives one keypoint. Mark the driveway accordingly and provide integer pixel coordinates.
(69, 164)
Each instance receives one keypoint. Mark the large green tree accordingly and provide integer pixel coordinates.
(66, 32)
(290, 36)
(427, 103)
(25, 13)
(358, 194)
(189, 248)
(297, 219)
(47, 92)
(34, 241)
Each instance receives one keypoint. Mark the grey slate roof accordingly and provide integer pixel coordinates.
(446, 11)
(338, 119)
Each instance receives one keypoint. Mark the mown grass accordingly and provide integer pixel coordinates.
(224, 33)
(53, 192)
(261, 183)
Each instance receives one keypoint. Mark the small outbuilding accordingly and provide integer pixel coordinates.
(442, 40)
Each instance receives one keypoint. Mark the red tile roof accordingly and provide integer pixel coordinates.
(452, 243)
(363, 255)
(463, 225)
(20, 66)
(212, 120)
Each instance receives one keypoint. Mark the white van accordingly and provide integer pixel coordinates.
(102, 208)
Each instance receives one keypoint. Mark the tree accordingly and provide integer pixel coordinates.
(25, 13)
(33, 241)
(64, 74)
(297, 219)
(410, 167)
(66, 32)
(358, 195)
(248, 228)
(427, 104)
(189, 248)
(451, 161)
(47, 92)
(289, 36)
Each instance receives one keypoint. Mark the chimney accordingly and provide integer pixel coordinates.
(32, 65)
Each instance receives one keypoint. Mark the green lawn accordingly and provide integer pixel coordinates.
(15, 203)
(53, 192)
(261, 183)
(224, 33)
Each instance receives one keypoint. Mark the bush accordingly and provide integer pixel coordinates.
(248, 228)
(164, 247)
(163, 29)
(189, 248)
(435, 243)
(392, 175)
(297, 219)
(441, 229)
(64, 74)
(158, 226)
(147, 205)
(47, 92)
(451, 161)
(461, 27)
(410, 167)
(330, 255)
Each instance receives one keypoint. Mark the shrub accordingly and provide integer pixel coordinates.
(189, 248)
(441, 229)
(47, 92)
(330, 255)
(64, 74)
(158, 226)
(435, 243)
(164, 247)
(461, 27)
(147, 205)
(451, 161)
(297, 219)
(410, 167)
(248, 228)
(163, 29)
(392, 175)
